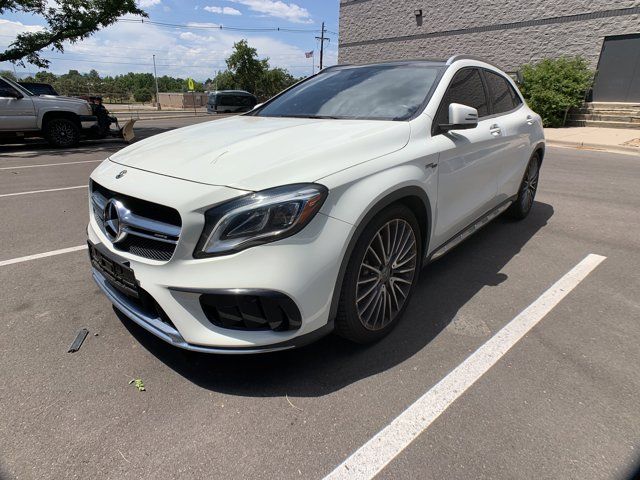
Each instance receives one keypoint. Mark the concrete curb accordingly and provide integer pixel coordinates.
(594, 146)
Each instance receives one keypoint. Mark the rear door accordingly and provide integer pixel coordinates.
(16, 114)
(467, 163)
(513, 143)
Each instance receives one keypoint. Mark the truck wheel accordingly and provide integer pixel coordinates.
(62, 132)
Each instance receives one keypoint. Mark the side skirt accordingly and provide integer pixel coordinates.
(468, 231)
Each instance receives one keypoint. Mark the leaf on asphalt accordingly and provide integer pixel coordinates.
(139, 384)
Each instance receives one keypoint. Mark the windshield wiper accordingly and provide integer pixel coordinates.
(308, 116)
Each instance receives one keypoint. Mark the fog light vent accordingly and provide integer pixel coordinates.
(261, 310)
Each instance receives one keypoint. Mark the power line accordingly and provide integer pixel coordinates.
(223, 52)
(175, 65)
(218, 27)
(130, 63)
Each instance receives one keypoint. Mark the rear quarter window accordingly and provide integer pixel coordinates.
(503, 96)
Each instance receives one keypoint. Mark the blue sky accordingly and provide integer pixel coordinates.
(198, 50)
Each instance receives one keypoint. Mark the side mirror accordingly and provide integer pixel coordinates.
(10, 92)
(461, 117)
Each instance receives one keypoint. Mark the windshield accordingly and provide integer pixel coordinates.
(380, 92)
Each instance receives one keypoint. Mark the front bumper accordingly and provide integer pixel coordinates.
(155, 325)
(303, 267)
(87, 122)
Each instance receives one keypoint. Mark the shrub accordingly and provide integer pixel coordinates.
(552, 86)
(142, 95)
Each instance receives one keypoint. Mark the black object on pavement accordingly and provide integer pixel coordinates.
(77, 343)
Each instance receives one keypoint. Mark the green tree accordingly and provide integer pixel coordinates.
(142, 95)
(246, 72)
(553, 86)
(8, 74)
(243, 63)
(223, 81)
(274, 81)
(45, 77)
(68, 20)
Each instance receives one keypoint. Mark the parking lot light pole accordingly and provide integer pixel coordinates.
(155, 75)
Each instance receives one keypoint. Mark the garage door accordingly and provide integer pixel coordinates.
(618, 78)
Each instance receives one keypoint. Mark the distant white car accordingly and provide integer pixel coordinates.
(315, 211)
(60, 120)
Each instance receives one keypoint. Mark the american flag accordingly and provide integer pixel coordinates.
(308, 54)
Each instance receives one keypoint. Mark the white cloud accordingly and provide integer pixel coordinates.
(196, 52)
(276, 8)
(148, 3)
(11, 29)
(223, 10)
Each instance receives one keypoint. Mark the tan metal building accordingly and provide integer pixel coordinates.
(182, 99)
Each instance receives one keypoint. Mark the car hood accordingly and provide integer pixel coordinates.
(60, 98)
(254, 153)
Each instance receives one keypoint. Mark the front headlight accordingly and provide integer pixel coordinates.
(258, 218)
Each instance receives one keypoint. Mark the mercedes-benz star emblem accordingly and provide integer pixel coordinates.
(114, 213)
(121, 174)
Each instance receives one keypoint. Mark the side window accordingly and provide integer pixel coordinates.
(503, 96)
(465, 88)
(5, 89)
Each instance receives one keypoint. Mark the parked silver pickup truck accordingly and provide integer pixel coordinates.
(60, 120)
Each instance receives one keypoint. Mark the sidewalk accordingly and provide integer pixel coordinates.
(618, 140)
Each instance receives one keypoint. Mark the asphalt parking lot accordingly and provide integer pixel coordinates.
(561, 403)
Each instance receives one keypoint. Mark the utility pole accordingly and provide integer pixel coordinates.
(155, 75)
(322, 38)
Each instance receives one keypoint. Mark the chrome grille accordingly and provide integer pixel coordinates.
(152, 230)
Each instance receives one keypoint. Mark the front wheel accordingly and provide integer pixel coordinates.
(527, 191)
(62, 132)
(380, 276)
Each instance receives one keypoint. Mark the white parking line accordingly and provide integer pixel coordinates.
(50, 164)
(42, 255)
(42, 191)
(373, 456)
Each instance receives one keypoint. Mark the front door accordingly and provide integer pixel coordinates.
(16, 114)
(467, 184)
(618, 77)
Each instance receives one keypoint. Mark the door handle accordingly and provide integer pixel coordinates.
(529, 119)
(495, 130)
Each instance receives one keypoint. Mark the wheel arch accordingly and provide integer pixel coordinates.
(52, 114)
(539, 149)
(416, 199)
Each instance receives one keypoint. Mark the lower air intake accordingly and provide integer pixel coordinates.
(262, 310)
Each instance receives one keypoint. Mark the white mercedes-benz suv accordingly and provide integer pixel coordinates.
(315, 211)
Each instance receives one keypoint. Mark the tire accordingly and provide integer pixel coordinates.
(527, 191)
(62, 132)
(377, 284)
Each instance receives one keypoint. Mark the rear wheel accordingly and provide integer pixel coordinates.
(527, 192)
(62, 132)
(380, 277)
